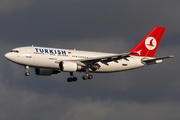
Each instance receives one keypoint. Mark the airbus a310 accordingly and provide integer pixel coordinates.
(48, 61)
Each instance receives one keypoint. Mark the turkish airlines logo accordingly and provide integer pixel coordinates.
(150, 43)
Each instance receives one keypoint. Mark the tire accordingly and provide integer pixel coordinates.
(69, 80)
(85, 77)
(27, 74)
(90, 77)
(74, 79)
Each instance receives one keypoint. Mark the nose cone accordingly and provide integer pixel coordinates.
(7, 55)
(11, 56)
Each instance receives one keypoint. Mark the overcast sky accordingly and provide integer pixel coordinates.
(150, 93)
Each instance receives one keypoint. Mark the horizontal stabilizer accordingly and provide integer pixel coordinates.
(155, 60)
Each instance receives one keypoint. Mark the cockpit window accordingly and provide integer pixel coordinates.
(16, 51)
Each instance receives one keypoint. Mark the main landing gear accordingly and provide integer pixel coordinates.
(85, 77)
(27, 71)
(72, 78)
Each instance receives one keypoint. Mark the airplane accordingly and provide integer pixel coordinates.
(49, 61)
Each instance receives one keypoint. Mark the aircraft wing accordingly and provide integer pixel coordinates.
(92, 62)
(106, 59)
(155, 60)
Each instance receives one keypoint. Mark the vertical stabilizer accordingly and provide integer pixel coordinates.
(149, 44)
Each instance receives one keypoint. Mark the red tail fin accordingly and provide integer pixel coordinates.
(149, 44)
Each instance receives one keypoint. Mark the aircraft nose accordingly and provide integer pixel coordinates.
(11, 56)
(7, 55)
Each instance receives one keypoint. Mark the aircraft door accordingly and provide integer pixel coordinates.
(26, 55)
(29, 58)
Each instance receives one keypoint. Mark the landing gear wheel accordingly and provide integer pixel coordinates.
(69, 80)
(90, 76)
(27, 74)
(73, 79)
(85, 77)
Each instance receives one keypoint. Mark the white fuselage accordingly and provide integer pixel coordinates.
(42, 57)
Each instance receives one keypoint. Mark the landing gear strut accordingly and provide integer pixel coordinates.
(72, 78)
(27, 71)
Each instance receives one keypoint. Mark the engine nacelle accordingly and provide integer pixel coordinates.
(45, 72)
(69, 66)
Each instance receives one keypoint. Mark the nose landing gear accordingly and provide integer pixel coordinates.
(27, 71)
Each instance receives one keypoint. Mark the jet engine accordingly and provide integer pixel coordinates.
(69, 66)
(45, 72)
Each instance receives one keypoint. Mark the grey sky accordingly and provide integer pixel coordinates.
(96, 25)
